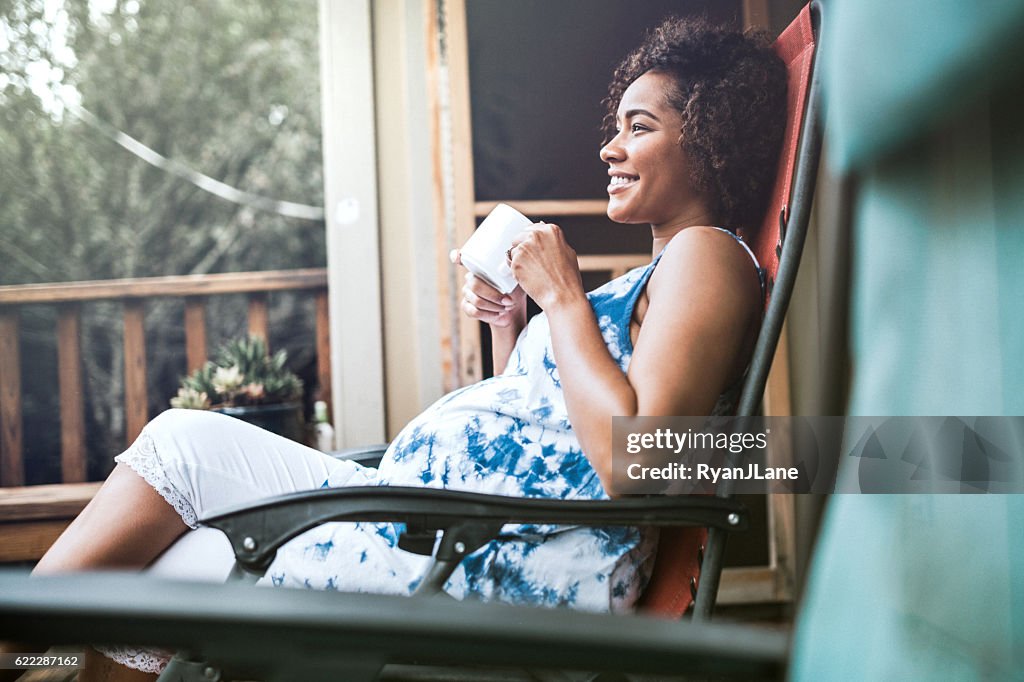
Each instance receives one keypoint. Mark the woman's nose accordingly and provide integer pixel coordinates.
(612, 151)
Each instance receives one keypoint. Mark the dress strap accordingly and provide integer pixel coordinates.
(638, 287)
(757, 266)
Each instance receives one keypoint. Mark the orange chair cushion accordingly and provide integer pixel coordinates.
(669, 591)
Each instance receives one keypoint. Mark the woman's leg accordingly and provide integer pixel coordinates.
(184, 464)
(106, 535)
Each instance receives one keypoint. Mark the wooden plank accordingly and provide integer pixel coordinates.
(176, 286)
(782, 543)
(72, 410)
(444, 237)
(195, 332)
(29, 541)
(12, 465)
(781, 508)
(457, 42)
(45, 502)
(259, 324)
(616, 264)
(323, 351)
(778, 401)
(136, 407)
(748, 585)
(777, 395)
(755, 15)
(547, 208)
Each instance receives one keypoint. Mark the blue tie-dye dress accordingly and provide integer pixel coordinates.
(508, 435)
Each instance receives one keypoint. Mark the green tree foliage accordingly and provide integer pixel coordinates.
(227, 87)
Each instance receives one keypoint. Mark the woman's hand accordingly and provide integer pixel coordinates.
(546, 267)
(483, 302)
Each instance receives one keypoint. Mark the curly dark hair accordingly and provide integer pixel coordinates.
(731, 92)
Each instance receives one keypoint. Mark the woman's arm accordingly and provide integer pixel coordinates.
(703, 304)
(503, 338)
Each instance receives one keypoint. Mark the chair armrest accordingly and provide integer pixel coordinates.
(285, 634)
(468, 519)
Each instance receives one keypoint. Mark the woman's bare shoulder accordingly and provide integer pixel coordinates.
(707, 264)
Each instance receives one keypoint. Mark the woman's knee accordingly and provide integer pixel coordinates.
(178, 433)
(172, 441)
(174, 454)
(217, 460)
(178, 420)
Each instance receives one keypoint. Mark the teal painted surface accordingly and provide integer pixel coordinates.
(896, 69)
(938, 278)
(916, 587)
(927, 587)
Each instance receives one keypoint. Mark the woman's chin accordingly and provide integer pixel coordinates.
(619, 214)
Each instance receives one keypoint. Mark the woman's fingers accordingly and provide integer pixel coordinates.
(481, 304)
(544, 264)
(481, 301)
(498, 319)
(535, 233)
(477, 289)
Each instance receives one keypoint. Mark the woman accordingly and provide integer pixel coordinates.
(694, 122)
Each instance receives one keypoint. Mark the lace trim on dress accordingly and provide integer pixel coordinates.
(144, 460)
(146, 660)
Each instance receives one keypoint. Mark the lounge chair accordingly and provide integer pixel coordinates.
(296, 635)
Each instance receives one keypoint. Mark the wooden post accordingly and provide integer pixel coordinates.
(258, 322)
(72, 415)
(470, 363)
(195, 332)
(323, 350)
(781, 508)
(12, 466)
(756, 15)
(447, 284)
(136, 408)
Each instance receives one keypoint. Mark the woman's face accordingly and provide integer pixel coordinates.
(649, 173)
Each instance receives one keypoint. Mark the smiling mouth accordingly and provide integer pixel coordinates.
(620, 183)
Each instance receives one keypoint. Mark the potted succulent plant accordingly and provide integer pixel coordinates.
(245, 381)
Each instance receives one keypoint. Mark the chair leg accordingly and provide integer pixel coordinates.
(240, 575)
(710, 573)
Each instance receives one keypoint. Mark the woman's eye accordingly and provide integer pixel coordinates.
(638, 127)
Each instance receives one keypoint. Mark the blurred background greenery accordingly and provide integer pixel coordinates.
(229, 88)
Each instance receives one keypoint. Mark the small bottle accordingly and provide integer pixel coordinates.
(324, 430)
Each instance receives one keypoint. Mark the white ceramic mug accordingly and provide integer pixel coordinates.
(484, 254)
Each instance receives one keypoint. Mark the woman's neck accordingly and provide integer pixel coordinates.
(664, 232)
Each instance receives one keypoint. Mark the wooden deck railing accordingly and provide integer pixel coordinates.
(133, 293)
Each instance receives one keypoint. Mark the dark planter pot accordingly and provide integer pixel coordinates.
(284, 419)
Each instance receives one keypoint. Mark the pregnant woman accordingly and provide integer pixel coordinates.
(694, 124)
